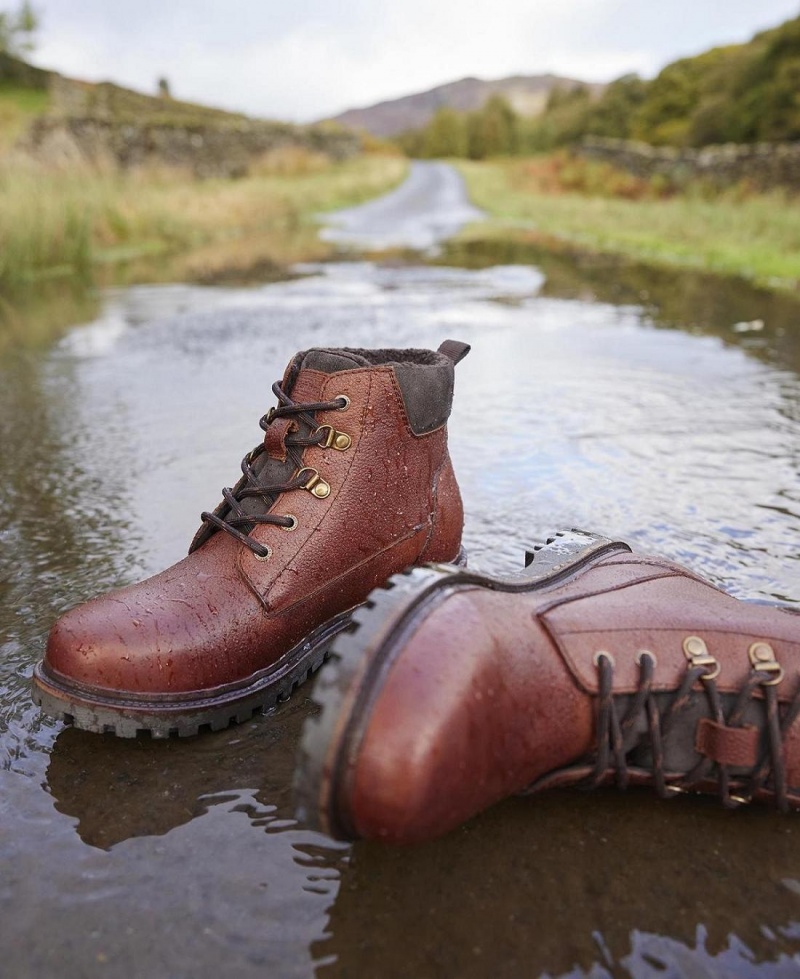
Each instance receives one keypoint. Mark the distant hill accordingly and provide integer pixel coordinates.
(66, 121)
(99, 100)
(526, 93)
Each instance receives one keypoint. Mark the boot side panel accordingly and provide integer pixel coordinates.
(628, 613)
(379, 509)
(665, 615)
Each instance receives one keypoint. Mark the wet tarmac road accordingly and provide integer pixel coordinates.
(596, 396)
(429, 207)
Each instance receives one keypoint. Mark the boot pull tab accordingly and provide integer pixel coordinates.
(455, 350)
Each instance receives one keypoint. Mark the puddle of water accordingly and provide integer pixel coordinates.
(584, 885)
(576, 407)
(761, 321)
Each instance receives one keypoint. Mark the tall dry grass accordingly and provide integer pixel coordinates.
(45, 227)
(62, 223)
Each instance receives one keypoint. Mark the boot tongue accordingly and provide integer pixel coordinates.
(322, 359)
(303, 383)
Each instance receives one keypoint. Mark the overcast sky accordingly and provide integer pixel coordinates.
(305, 59)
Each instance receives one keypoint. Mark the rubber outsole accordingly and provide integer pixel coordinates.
(188, 715)
(362, 655)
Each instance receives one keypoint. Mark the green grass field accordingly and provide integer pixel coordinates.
(753, 235)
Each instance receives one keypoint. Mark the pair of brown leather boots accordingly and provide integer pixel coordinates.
(446, 690)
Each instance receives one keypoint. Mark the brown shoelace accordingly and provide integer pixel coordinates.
(617, 737)
(237, 523)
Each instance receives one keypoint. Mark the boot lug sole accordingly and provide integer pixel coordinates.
(183, 717)
(361, 657)
(190, 715)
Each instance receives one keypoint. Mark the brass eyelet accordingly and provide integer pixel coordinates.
(599, 654)
(646, 652)
(334, 440)
(697, 653)
(762, 659)
(342, 397)
(263, 557)
(315, 484)
(293, 525)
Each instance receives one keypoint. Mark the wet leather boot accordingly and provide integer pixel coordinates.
(352, 483)
(453, 690)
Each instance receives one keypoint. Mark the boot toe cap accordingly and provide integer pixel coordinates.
(95, 646)
(131, 643)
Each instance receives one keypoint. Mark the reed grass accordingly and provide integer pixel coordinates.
(64, 223)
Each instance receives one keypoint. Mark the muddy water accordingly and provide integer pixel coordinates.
(655, 407)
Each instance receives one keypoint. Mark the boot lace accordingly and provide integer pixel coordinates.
(236, 522)
(617, 736)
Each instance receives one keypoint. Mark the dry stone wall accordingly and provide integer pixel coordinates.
(106, 124)
(764, 165)
(207, 149)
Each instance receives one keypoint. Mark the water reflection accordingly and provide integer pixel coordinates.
(59, 499)
(116, 789)
(33, 317)
(580, 884)
(763, 322)
(567, 413)
(231, 891)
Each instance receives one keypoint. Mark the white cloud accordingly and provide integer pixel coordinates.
(311, 58)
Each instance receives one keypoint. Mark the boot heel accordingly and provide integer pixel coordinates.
(565, 551)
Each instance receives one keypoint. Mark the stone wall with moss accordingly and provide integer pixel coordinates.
(108, 125)
(208, 149)
(762, 165)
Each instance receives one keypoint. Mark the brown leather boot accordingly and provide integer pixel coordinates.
(453, 690)
(352, 483)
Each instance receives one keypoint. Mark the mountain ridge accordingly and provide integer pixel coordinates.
(526, 93)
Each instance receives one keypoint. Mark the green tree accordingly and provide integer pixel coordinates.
(410, 142)
(445, 134)
(767, 91)
(565, 120)
(493, 130)
(17, 30)
(663, 117)
(740, 93)
(614, 112)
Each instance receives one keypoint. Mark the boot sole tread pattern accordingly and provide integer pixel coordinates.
(188, 717)
(88, 711)
(352, 674)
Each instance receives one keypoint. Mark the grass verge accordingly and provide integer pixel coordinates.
(756, 236)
